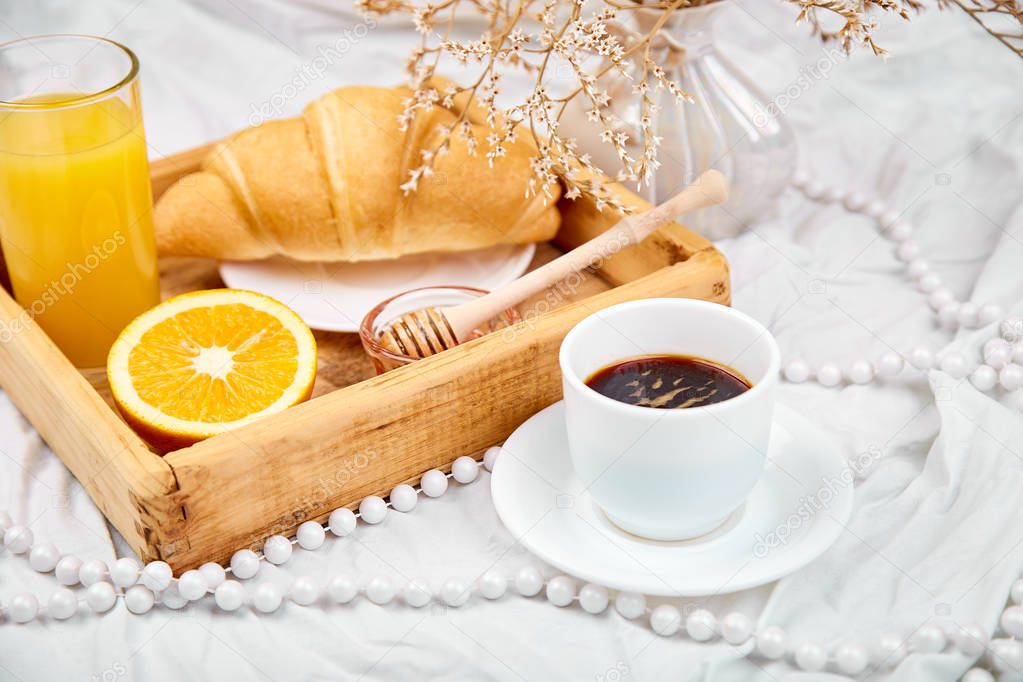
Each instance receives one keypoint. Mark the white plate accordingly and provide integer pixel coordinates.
(796, 511)
(336, 296)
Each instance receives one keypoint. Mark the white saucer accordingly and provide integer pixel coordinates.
(336, 296)
(796, 511)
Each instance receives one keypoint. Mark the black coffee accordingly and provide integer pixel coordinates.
(668, 381)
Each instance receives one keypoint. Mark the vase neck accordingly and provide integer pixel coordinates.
(691, 27)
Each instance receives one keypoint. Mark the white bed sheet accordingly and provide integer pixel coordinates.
(936, 533)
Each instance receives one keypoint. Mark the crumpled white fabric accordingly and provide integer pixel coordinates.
(936, 132)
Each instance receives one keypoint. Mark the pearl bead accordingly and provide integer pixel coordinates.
(310, 535)
(907, 251)
(988, 313)
(940, 297)
(1012, 621)
(929, 283)
(701, 625)
(404, 498)
(890, 650)
(833, 194)
(267, 598)
(18, 539)
(799, 179)
(62, 604)
(244, 564)
(229, 595)
(772, 643)
(977, 675)
(797, 371)
(342, 589)
(125, 572)
(156, 575)
(373, 509)
(829, 375)
(1011, 328)
(921, 357)
(1011, 377)
(984, 378)
(1006, 655)
(528, 581)
(43, 558)
(493, 584)
(593, 598)
(997, 353)
(888, 218)
(138, 599)
(1017, 353)
(918, 268)
(172, 599)
(901, 230)
(100, 597)
(213, 573)
(851, 659)
(380, 590)
(811, 657)
(630, 605)
(814, 190)
(948, 315)
(304, 591)
(665, 620)
(67, 570)
(860, 372)
(92, 571)
(465, 469)
(873, 209)
(968, 315)
(1016, 593)
(971, 640)
(277, 549)
(560, 590)
(890, 364)
(342, 522)
(455, 592)
(417, 593)
(953, 363)
(855, 201)
(23, 608)
(490, 457)
(5, 522)
(191, 585)
(434, 483)
(736, 628)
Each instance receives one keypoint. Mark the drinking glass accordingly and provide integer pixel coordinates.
(76, 225)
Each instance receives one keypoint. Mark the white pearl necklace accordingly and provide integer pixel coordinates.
(141, 589)
(1002, 361)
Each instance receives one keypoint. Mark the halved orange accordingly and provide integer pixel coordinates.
(206, 362)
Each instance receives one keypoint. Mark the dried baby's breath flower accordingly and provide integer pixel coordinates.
(568, 46)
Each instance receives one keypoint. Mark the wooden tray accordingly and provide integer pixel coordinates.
(360, 434)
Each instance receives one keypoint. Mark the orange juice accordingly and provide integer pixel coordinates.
(76, 218)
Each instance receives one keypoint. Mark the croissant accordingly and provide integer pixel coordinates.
(326, 186)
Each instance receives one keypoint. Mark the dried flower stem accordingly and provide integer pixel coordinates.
(584, 36)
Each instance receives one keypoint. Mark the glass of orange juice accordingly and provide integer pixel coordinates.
(76, 225)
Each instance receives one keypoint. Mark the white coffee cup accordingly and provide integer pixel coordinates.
(669, 474)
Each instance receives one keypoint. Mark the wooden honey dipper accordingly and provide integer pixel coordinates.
(429, 331)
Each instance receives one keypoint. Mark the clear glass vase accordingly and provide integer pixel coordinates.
(730, 125)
